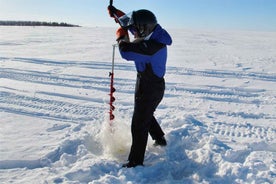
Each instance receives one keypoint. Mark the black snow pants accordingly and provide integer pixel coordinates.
(149, 92)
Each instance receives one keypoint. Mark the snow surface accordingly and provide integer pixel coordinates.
(218, 112)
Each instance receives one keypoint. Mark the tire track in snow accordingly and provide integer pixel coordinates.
(53, 109)
(243, 131)
(46, 78)
(217, 91)
(71, 81)
(220, 93)
(224, 74)
(210, 96)
(97, 65)
(49, 109)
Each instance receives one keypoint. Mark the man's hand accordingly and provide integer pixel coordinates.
(114, 12)
(122, 34)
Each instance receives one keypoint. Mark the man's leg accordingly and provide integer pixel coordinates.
(155, 130)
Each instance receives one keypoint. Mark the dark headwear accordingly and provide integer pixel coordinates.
(143, 17)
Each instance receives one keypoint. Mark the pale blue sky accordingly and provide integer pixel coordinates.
(202, 14)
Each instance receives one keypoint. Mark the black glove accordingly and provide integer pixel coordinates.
(111, 10)
(114, 12)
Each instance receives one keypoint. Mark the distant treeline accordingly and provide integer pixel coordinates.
(35, 23)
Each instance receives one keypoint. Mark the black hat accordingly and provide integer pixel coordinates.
(143, 17)
(139, 17)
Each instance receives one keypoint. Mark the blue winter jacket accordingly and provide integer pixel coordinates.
(152, 51)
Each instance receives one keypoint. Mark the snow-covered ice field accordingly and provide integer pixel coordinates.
(218, 113)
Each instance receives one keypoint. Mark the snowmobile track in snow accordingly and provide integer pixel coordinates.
(48, 78)
(243, 131)
(224, 74)
(46, 108)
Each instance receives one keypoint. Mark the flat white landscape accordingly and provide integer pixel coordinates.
(218, 113)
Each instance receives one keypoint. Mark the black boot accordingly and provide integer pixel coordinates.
(131, 164)
(160, 142)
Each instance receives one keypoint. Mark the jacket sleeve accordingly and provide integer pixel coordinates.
(141, 50)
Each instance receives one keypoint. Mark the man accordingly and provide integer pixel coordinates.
(149, 53)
